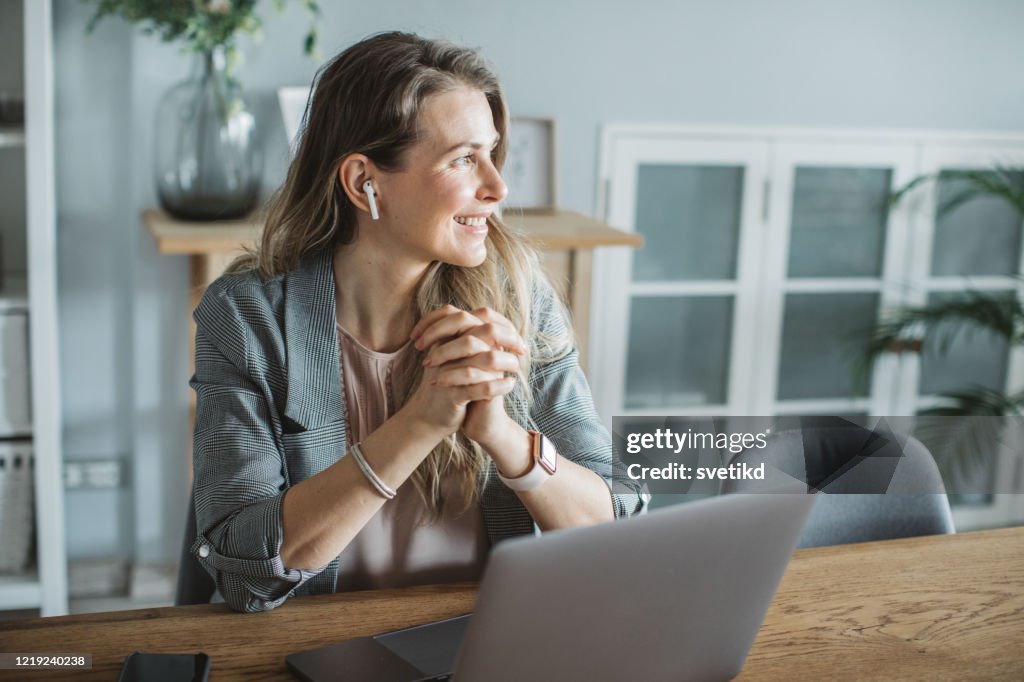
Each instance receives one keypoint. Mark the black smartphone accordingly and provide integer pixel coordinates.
(143, 667)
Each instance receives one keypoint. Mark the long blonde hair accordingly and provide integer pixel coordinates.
(368, 99)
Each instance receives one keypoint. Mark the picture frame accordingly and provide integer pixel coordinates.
(530, 168)
(292, 101)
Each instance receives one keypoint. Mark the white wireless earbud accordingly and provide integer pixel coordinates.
(371, 197)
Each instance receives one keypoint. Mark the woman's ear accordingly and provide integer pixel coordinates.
(353, 173)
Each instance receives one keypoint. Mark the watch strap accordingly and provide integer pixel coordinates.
(540, 448)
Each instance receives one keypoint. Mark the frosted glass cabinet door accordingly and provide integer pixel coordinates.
(822, 335)
(839, 220)
(678, 346)
(678, 351)
(837, 232)
(836, 252)
(680, 304)
(980, 237)
(690, 219)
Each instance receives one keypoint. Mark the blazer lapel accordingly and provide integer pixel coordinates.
(311, 342)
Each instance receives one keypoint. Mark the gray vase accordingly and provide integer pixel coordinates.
(208, 163)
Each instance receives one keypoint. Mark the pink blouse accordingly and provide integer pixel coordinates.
(392, 549)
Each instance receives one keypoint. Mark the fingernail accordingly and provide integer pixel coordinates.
(433, 382)
(426, 362)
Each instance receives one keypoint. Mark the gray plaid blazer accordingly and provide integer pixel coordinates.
(270, 413)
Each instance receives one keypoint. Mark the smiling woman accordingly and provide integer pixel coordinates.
(369, 410)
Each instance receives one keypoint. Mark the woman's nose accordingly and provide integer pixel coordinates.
(492, 187)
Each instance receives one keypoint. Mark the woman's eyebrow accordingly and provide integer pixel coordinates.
(471, 144)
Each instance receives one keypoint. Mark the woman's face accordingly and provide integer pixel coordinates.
(435, 208)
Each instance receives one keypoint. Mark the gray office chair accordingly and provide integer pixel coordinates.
(826, 457)
(195, 586)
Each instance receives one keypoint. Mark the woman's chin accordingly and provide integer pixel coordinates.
(468, 258)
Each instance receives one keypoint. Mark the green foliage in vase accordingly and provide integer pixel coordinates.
(202, 25)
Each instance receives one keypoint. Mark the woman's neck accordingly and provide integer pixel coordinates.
(375, 296)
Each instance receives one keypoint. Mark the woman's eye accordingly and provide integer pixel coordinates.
(464, 160)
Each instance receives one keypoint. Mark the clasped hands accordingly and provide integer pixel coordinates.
(464, 372)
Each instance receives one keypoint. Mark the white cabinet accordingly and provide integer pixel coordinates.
(30, 424)
(769, 255)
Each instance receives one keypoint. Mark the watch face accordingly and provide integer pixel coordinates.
(548, 456)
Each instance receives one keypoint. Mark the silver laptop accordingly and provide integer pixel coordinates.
(676, 594)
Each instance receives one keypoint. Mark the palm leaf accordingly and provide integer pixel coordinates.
(1001, 182)
(965, 434)
(896, 196)
(942, 322)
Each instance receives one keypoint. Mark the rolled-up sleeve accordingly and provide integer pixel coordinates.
(240, 477)
(563, 409)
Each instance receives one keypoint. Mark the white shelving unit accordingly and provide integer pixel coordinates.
(44, 585)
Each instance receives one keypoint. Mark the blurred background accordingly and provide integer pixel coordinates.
(755, 149)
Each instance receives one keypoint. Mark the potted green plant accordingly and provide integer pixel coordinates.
(207, 162)
(961, 446)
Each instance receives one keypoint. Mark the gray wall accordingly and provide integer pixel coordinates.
(938, 64)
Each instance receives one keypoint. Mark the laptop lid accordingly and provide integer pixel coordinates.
(676, 594)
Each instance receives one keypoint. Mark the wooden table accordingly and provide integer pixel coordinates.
(932, 608)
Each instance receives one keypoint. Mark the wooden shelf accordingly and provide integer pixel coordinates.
(181, 237)
(570, 230)
(557, 230)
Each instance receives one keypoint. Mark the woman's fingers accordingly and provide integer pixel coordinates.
(499, 336)
(445, 349)
(459, 347)
(491, 362)
(477, 340)
(506, 333)
(466, 376)
(449, 322)
(430, 318)
(453, 323)
(484, 391)
(491, 315)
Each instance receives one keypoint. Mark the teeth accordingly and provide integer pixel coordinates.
(472, 222)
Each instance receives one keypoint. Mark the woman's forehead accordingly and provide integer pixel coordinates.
(457, 117)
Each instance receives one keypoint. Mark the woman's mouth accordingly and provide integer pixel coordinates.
(476, 225)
